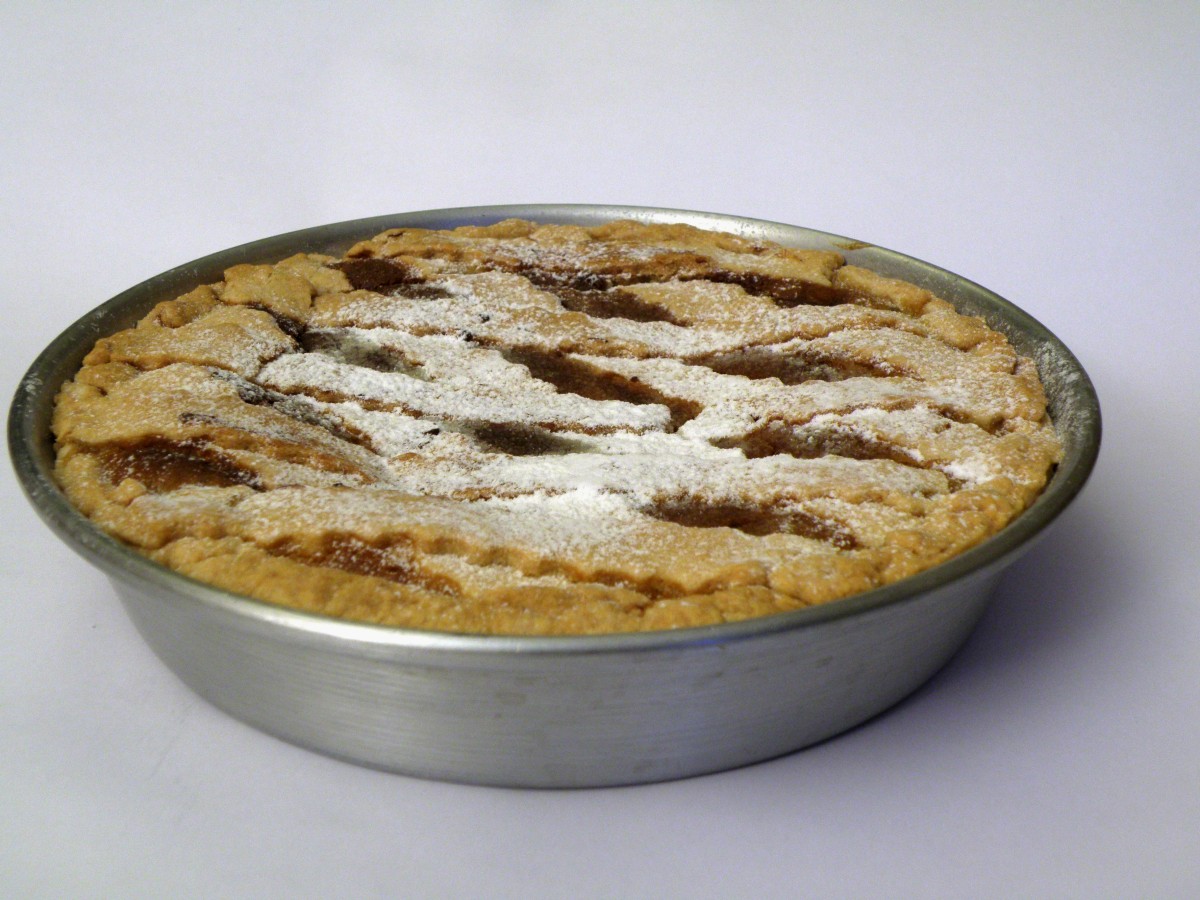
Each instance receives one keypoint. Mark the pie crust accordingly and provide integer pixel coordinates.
(554, 429)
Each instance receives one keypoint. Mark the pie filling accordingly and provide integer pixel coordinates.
(525, 428)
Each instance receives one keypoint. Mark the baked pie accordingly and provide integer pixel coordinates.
(554, 429)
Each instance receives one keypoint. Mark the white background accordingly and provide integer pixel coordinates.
(1048, 151)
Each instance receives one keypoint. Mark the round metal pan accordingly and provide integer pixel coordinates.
(555, 711)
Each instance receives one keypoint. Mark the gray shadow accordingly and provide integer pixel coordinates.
(1067, 588)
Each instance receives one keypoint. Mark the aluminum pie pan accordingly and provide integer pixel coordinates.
(555, 711)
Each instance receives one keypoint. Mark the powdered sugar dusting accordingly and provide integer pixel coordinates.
(296, 373)
(418, 375)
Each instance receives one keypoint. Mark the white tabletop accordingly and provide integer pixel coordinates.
(1052, 154)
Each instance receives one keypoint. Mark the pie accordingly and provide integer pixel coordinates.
(554, 429)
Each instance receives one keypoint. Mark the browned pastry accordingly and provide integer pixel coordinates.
(526, 429)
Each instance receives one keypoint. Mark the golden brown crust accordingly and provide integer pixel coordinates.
(526, 429)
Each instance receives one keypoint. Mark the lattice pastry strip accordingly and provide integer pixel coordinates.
(319, 375)
(620, 253)
(585, 538)
(191, 413)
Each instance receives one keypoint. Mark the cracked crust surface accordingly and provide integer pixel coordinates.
(541, 429)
